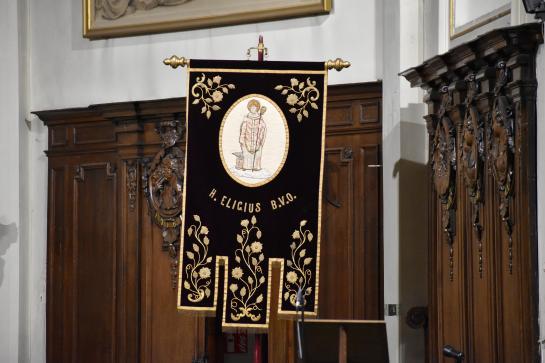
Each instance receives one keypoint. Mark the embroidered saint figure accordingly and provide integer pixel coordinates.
(252, 137)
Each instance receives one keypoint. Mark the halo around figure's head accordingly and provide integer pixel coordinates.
(255, 103)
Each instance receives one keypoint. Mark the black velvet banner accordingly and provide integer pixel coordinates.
(253, 181)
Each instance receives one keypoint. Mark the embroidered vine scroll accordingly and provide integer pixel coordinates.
(253, 183)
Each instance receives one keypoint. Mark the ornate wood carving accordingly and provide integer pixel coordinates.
(163, 182)
(490, 309)
(502, 150)
(132, 182)
(444, 171)
(472, 159)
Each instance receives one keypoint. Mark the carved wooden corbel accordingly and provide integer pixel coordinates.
(163, 182)
(444, 171)
(472, 159)
(501, 146)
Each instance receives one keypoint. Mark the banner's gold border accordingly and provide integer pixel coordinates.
(289, 313)
(273, 71)
(211, 311)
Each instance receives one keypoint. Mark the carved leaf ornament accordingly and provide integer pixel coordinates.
(502, 151)
(163, 181)
(444, 171)
(472, 159)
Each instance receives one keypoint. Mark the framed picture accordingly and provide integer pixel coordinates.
(118, 18)
(469, 15)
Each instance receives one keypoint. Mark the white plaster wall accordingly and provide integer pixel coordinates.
(9, 184)
(68, 70)
(391, 149)
(409, 34)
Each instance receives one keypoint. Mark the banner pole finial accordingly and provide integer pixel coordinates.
(175, 61)
(337, 64)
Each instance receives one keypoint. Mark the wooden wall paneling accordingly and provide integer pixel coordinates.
(489, 309)
(129, 261)
(55, 256)
(336, 277)
(95, 253)
(110, 293)
(352, 206)
(368, 228)
(167, 333)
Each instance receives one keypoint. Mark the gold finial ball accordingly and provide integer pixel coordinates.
(337, 64)
(175, 61)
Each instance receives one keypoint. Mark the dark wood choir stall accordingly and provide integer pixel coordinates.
(481, 120)
(111, 262)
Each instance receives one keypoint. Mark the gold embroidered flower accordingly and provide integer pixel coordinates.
(291, 277)
(204, 273)
(256, 247)
(237, 273)
(204, 230)
(233, 288)
(217, 96)
(217, 79)
(292, 99)
(294, 82)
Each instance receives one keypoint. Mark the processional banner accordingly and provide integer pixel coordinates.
(253, 182)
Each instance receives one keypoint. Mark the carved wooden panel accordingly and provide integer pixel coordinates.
(336, 299)
(370, 112)
(483, 289)
(59, 136)
(165, 332)
(340, 115)
(56, 262)
(95, 280)
(351, 286)
(93, 133)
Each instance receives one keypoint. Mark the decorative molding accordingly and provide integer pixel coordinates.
(502, 150)
(444, 171)
(347, 154)
(132, 183)
(472, 159)
(163, 182)
(79, 170)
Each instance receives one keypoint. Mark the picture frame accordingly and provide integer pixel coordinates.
(120, 18)
(458, 30)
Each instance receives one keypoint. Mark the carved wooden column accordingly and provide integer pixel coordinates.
(482, 240)
(163, 182)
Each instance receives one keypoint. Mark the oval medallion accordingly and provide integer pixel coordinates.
(253, 140)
